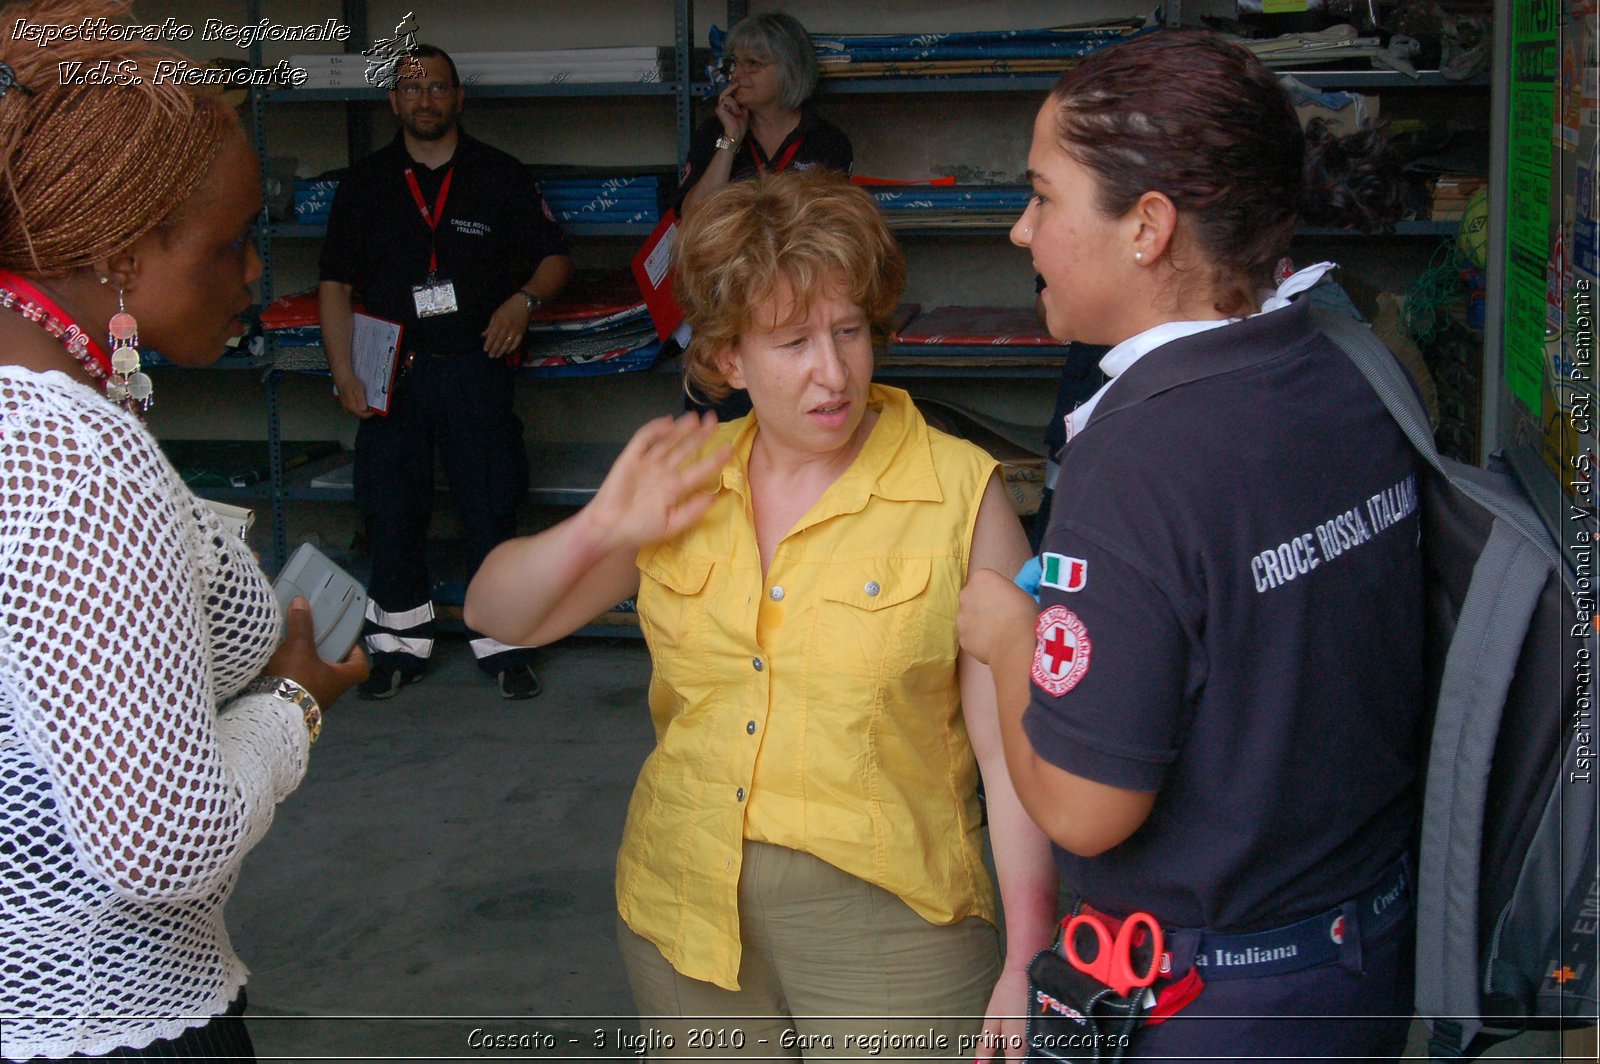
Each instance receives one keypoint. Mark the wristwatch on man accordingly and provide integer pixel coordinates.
(533, 301)
(286, 690)
(727, 143)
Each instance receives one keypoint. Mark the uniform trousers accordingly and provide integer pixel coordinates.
(1327, 1012)
(831, 966)
(460, 406)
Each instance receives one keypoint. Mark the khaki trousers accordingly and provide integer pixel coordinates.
(832, 968)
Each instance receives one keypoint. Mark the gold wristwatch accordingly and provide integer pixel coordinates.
(281, 687)
(726, 143)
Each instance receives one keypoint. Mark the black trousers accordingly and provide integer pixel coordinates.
(460, 408)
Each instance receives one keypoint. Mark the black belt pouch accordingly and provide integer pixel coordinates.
(1072, 1016)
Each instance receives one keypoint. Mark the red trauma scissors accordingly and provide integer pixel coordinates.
(1112, 962)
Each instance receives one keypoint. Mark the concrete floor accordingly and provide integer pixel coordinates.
(446, 868)
(449, 859)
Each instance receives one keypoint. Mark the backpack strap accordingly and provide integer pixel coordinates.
(1506, 582)
(1393, 385)
(1490, 629)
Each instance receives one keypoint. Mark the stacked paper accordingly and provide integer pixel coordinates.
(312, 201)
(598, 325)
(613, 200)
(1014, 52)
(952, 205)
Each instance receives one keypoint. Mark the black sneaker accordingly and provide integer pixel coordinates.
(381, 684)
(519, 682)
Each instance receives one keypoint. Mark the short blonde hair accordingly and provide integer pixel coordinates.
(808, 229)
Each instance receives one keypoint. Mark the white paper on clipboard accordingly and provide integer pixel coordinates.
(374, 353)
(659, 258)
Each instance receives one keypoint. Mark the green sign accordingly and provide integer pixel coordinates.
(1534, 51)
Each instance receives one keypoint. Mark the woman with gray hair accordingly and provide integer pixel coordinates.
(764, 121)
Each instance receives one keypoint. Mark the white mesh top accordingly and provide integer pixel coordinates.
(127, 615)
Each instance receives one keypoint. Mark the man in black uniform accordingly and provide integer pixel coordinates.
(450, 238)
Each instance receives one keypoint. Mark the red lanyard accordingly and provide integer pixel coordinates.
(783, 161)
(431, 217)
(55, 321)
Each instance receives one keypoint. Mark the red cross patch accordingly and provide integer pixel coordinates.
(1062, 655)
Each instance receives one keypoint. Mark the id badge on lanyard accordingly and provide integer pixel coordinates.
(434, 298)
(437, 295)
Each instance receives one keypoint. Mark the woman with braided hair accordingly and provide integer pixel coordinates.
(128, 615)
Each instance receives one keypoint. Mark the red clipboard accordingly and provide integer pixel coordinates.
(375, 355)
(652, 270)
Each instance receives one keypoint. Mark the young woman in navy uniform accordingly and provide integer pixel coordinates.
(1226, 686)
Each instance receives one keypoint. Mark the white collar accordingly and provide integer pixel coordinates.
(1116, 361)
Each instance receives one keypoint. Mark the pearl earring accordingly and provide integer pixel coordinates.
(1138, 256)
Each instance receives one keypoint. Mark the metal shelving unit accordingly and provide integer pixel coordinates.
(573, 467)
(283, 487)
(479, 92)
(1041, 83)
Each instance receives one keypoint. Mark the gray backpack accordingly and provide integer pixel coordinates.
(1507, 894)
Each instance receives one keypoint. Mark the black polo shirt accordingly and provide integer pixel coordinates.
(494, 233)
(1243, 633)
(820, 143)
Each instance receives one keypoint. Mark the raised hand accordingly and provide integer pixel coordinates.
(660, 485)
(732, 114)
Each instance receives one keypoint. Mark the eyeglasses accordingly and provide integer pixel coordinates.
(744, 65)
(437, 89)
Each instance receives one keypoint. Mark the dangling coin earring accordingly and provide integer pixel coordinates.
(128, 384)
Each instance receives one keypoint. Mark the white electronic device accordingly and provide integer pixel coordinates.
(338, 602)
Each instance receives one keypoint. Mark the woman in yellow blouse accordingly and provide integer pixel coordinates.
(803, 852)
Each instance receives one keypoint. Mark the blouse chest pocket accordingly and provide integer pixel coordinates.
(672, 598)
(873, 615)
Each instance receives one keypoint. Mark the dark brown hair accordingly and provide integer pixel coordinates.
(1202, 121)
(85, 170)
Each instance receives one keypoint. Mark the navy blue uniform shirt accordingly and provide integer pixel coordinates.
(1244, 631)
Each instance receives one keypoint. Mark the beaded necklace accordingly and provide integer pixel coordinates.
(20, 296)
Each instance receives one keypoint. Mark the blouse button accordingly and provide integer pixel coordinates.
(739, 794)
(777, 594)
(872, 587)
(755, 663)
(750, 728)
